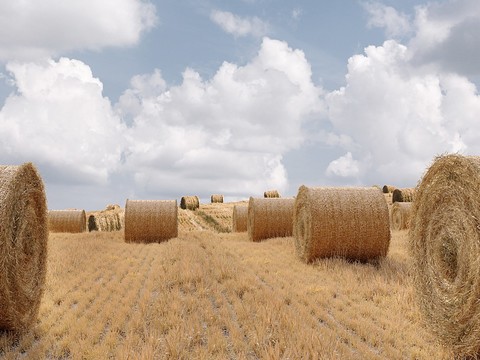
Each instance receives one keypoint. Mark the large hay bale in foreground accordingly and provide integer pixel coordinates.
(403, 195)
(269, 218)
(348, 222)
(67, 221)
(190, 202)
(216, 198)
(388, 189)
(445, 246)
(400, 215)
(239, 218)
(271, 194)
(148, 221)
(23, 245)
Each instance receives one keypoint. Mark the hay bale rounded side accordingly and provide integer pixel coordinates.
(92, 223)
(190, 202)
(271, 194)
(388, 189)
(67, 221)
(216, 198)
(239, 218)
(148, 221)
(23, 245)
(400, 215)
(403, 195)
(269, 218)
(348, 222)
(445, 247)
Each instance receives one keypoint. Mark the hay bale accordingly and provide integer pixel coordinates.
(67, 221)
(240, 214)
(349, 222)
(216, 198)
(271, 194)
(403, 195)
(92, 223)
(115, 207)
(190, 202)
(110, 219)
(445, 246)
(23, 245)
(269, 218)
(388, 189)
(400, 215)
(150, 221)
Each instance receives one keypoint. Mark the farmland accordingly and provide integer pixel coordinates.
(210, 293)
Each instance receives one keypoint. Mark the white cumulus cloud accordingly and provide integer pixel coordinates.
(344, 166)
(396, 24)
(239, 26)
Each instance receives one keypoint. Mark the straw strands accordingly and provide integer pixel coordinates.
(347, 222)
(148, 221)
(403, 195)
(400, 215)
(388, 189)
(445, 246)
(67, 221)
(216, 198)
(110, 219)
(23, 245)
(271, 194)
(240, 214)
(190, 202)
(269, 218)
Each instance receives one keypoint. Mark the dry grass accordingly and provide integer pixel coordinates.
(189, 202)
(23, 245)
(69, 221)
(445, 244)
(400, 215)
(403, 195)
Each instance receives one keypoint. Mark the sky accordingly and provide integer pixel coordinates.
(156, 99)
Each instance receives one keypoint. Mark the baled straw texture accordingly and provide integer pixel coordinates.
(403, 195)
(216, 198)
(388, 189)
(189, 202)
(67, 221)
(346, 222)
(23, 245)
(271, 194)
(269, 218)
(148, 221)
(110, 219)
(240, 214)
(445, 246)
(400, 215)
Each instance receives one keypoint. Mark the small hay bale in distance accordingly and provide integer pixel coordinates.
(23, 245)
(400, 215)
(387, 189)
(271, 194)
(216, 198)
(445, 246)
(239, 218)
(150, 221)
(189, 202)
(346, 222)
(67, 221)
(269, 218)
(110, 219)
(403, 195)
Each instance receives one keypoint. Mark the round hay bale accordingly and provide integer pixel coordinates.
(67, 221)
(403, 195)
(190, 202)
(112, 207)
(23, 245)
(271, 194)
(269, 218)
(92, 223)
(388, 189)
(445, 246)
(148, 221)
(240, 214)
(216, 198)
(400, 215)
(348, 222)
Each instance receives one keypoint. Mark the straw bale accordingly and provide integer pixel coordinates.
(403, 195)
(190, 202)
(269, 218)
(23, 245)
(271, 194)
(348, 222)
(400, 215)
(110, 219)
(445, 247)
(150, 221)
(67, 221)
(240, 214)
(388, 189)
(216, 198)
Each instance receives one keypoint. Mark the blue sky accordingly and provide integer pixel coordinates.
(155, 99)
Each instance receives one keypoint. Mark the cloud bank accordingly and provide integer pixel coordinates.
(239, 26)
